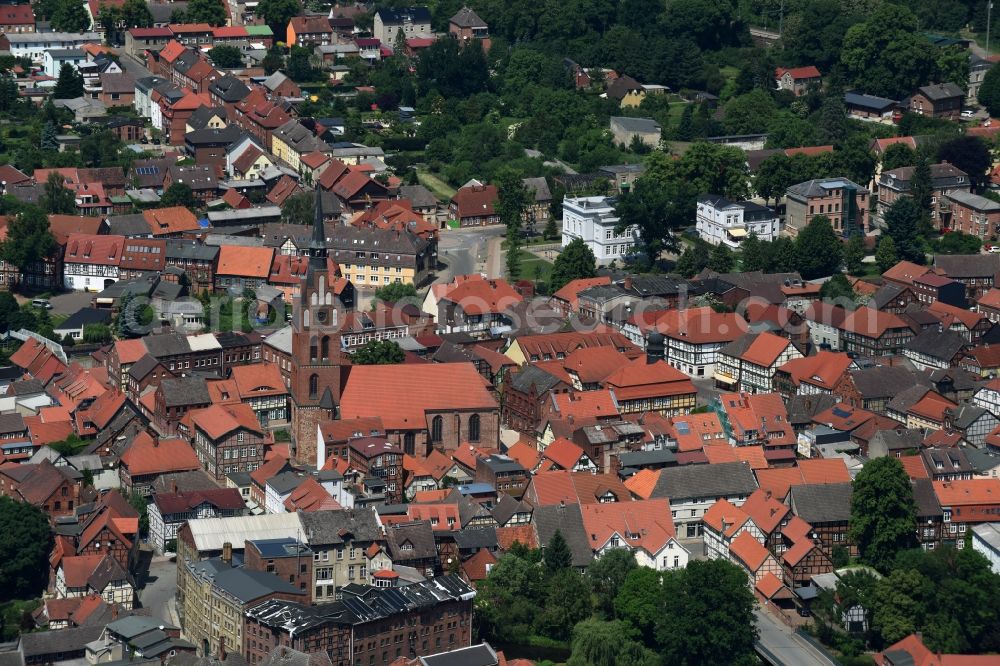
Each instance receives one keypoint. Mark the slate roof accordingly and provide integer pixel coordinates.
(958, 266)
(941, 345)
(882, 381)
(568, 520)
(183, 391)
(334, 527)
(531, 375)
(821, 503)
(940, 91)
(419, 534)
(467, 18)
(679, 483)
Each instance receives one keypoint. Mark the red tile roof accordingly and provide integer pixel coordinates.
(765, 349)
(809, 72)
(94, 250)
(645, 524)
(130, 351)
(575, 487)
(968, 492)
(146, 455)
(526, 454)
(218, 421)
(143, 254)
(479, 296)
(905, 272)
(78, 569)
(765, 510)
(572, 289)
(477, 567)
(261, 379)
(310, 496)
(523, 534)
(749, 551)
(170, 220)
(914, 466)
(245, 261)
(724, 514)
(823, 370)
(475, 201)
(564, 453)
(693, 325)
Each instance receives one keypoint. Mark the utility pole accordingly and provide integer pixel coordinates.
(781, 21)
(989, 11)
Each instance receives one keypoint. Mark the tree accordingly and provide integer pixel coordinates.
(902, 222)
(693, 260)
(837, 288)
(921, 187)
(883, 513)
(49, 140)
(299, 64)
(379, 352)
(773, 177)
(141, 505)
(970, 154)
(721, 260)
(707, 616)
(783, 256)
(638, 601)
(70, 16)
(885, 255)
(278, 13)
(566, 603)
(211, 12)
(597, 643)
(551, 230)
(989, 92)
(178, 194)
(25, 542)
(273, 61)
(557, 555)
(395, 292)
(898, 155)
(70, 83)
(56, 199)
(818, 249)
(513, 198)
(956, 242)
(886, 54)
(574, 262)
(753, 254)
(28, 238)
(299, 209)
(854, 254)
(226, 56)
(607, 575)
(97, 334)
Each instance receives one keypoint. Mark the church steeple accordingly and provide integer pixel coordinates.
(317, 246)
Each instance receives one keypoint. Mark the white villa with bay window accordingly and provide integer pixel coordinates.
(593, 220)
(720, 220)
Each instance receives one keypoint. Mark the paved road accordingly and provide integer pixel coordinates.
(161, 587)
(70, 302)
(786, 646)
(133, 66)
(464, 251)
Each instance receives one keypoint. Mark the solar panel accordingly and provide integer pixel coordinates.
(837, 411)
(683, 428)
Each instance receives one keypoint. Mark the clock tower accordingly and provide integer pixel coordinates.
(319, 369)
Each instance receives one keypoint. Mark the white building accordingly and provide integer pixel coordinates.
(91, 261)
(34, 44)
(986, 542)
(54, 59)
(168, 511)
(411, 21)
(593, 220)
(720, 220)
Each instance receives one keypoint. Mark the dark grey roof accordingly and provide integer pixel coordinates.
(11, 658)
(499, 464)
(507, 506)
(229, 88)
(167, 344)
(419, 534)
(530, 376)
(184, 391)
(869, 101)
(85, 316)
(467, 18)
(247, 585)
(906, 398)
(974, 201)
(820, 187)
(925, 499)
(419, 196)
(107, 571)
(130, 225)
(190, 250)
(568, 520)
(22, 387)
(965, 415)
(476, 537)
(335, 527)
(540, 187)
(941, 345)
(946, 461)
(739, 346)
(12, 423)
(400, 15)
(474, 655)
(136, 625)
(940, 91)
(640, 459)
(818, 503)
(885, 294)
(719, 480)
(203, 115)
(628, 124)
(882, 381)
(802, 408)
(281, 547)
(210, 136)
(285, 482)
(185, 481)
(958, 266)
(982, 460)
(37, 646)
(657, 285)
(899, 439)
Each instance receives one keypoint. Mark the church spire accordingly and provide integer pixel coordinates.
(317, 247)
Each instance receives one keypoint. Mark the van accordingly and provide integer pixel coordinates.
(41, 303)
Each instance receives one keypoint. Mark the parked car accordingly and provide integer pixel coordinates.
(41, 303)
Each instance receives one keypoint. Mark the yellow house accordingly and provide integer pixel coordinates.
(626, 91)
(205, 118)
(293, 140)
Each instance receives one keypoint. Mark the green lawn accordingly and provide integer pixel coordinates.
(535, 268)
(441, 189)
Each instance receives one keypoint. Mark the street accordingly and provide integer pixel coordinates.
(465, 251)
(786, 646)
(158, 595)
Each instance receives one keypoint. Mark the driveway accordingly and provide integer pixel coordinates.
(787, 647)
(159, 590)
(70, 302)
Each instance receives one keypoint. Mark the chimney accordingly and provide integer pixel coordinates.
(114, 611)
(654, 347)
(227, 552)
(173, 486)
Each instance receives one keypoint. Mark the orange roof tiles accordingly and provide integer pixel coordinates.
(694, 431)
(872, 323)
(170, 220)
(824, 470)
(778, 481)
(640, 379)
(765, 510)
(427, 387)
(479, 297)
(915, 467)
(525, 454)
(146, 455)
(724, 514)
(245, 261)
(575, 487)
(310, 496)
(968, 492)
(258, 380)
(808, 72)
(593, 364)
(642, 483)
(583, 405)
(823, 370)
(799, 550)
(765, 349)
(564, 453)
(694, 325)
(932, 406)
(130, 351)
(905, 272)
(219, 420)
(523, 534)
(572, 289)
(477, 566)
(645, 524)
(769, 585)
(749, 551)
(442, 517)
